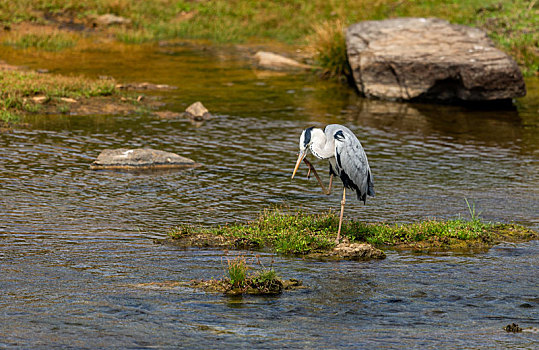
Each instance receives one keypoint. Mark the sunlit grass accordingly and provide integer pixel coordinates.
(302, 233)
(512, 24)
(41, 40)
(237, 271)
(17, 88)
(329, 46)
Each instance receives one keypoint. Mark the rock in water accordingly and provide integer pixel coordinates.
(429, 59)
(132, 159)
(272, 60)
(197, 112)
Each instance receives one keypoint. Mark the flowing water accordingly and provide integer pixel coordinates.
(78, 262)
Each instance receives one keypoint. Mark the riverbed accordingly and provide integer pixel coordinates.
(78, 251)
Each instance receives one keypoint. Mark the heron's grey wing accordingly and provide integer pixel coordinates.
(352, 164)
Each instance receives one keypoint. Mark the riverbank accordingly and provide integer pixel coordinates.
(303, 24)
(303, 234)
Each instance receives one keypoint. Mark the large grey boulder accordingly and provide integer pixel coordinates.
(431, 59)
(140, 158)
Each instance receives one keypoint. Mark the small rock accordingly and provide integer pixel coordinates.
(272, 60)
(357, 251)
(197, 112)
(110, 19)
(39, 99)
(68, 100)
(144, 86)
(140, 158)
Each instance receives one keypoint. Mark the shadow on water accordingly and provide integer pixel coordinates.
(76, 245)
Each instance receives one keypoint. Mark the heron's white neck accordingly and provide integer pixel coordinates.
(321, 147)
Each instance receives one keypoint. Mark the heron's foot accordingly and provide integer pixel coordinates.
(342, 239)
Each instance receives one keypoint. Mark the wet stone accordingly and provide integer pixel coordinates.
(141, 158)
(197, 112)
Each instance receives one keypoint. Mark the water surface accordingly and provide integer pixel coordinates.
(76, 244)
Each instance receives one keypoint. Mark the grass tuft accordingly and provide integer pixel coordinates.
(237, 271)
(329, 46)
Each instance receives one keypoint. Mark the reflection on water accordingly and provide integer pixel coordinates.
(74, 243)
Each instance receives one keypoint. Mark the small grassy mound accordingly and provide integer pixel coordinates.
(238, 281)
(300, 233)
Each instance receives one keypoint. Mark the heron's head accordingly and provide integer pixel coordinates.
(305, 140)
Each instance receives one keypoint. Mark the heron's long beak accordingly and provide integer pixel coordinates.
(300, 158)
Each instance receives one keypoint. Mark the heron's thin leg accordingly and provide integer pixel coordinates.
(311, 168)
(330, 184)
(342, 212)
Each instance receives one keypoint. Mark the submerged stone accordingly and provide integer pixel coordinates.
(430, 59)
(141, 158)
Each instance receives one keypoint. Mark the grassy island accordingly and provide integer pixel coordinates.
(299, 233)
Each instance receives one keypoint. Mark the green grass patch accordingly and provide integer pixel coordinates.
(301, 233)
(8, 117)
(52, 41)
(27, 91)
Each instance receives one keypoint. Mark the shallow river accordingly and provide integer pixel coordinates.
(77, 251)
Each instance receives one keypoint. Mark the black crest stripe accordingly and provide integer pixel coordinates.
(307, 136)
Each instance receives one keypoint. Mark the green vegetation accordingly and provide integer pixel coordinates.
(47, 41)
(510, 23)
(8, 117)
(27, 91)
(237, 271)
(237, 281)
(300, 233)
(329, 47)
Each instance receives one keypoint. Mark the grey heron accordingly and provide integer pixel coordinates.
(346, 157)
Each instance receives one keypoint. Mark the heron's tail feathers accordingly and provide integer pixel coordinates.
(370, 184)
